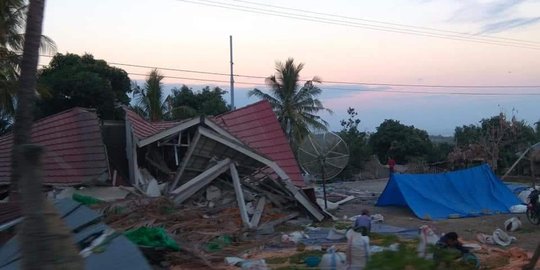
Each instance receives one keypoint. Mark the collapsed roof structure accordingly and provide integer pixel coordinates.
(246, 145)
(74, 149)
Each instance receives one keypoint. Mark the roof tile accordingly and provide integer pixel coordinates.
(256, 125)
(74, 149)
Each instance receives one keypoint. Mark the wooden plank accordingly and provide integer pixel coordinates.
(302, 199)
(278, 221)
(192, 186)
(256, 218)
(247, 195)
(185, 161)
(239, 196)
(158, 166)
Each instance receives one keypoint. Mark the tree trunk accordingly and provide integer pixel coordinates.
(45, 241)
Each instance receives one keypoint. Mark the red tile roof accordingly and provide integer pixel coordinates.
(256, 125)
(143, 128)
(74, 149)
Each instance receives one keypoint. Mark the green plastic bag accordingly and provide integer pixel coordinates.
(218, 243)
(152, 237)
(86, 200)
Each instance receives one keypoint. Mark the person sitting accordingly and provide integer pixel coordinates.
(364, 220)
(449, 247)
(450, 240)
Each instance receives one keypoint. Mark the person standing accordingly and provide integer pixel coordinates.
(391, 165)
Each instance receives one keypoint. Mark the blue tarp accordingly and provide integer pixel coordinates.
(465, 193)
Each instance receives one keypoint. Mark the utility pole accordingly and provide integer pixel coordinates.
(232, 74)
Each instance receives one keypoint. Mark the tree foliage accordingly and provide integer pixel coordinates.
(499, 139)
(12, 25)
(356, 140)
(403, 143)
(151, 101)
(188, 103)
(74, 80)
(295, 105)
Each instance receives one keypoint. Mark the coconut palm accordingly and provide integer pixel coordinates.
(151, 102)
(12, 23)
(295, 105)
(46, 241)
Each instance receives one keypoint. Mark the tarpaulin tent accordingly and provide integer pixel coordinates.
(464, 193)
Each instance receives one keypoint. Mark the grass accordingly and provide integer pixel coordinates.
(383, 239)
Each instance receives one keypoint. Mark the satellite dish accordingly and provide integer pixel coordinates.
(323, 156)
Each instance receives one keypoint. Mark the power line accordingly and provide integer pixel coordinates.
(357, 25)
(385, 23)
(325, 81)
(367, 90)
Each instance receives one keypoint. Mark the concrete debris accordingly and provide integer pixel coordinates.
(213, 193)
(152, 190)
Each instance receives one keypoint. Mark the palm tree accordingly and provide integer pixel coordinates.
(12, 23)
(151, 102)
(295, 106)
(45, 240)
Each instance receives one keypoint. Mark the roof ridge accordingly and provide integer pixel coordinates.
(243, 108)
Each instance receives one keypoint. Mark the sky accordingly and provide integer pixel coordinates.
(348, 47)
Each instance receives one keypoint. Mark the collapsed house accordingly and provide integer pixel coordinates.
(74, 150)
(246, 146)
(243, 151)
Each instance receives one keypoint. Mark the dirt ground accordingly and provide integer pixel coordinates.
(467, 228)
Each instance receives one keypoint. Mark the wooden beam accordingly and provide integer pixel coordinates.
(300, 197)
(256, 218)
(157, 165)
(278, 221)
(185, 160)
(170, 131)
(239, 196)
(192, 186)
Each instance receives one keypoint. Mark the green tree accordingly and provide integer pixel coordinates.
(467, 134)
(151, 100)
(12, 23)
(403, 143)
(187, 103)
(356, 140)
(83, 81)
(296, 106)
(498, 137)
(46, 242)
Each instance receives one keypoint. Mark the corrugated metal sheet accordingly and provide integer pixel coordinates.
(74, 149)
(119, 253)
(256, 125)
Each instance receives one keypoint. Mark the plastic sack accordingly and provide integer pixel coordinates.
(333, 260)
(427, 237)
(512, 224)
(518, 209)
(501, 238)
(357, 250)
(152, 237)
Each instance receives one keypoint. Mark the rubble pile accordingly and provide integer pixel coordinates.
(209, 226)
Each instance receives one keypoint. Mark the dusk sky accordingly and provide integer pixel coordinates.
(194, 35)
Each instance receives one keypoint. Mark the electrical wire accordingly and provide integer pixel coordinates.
(356, 25)
(325, 81)
(385, 23)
